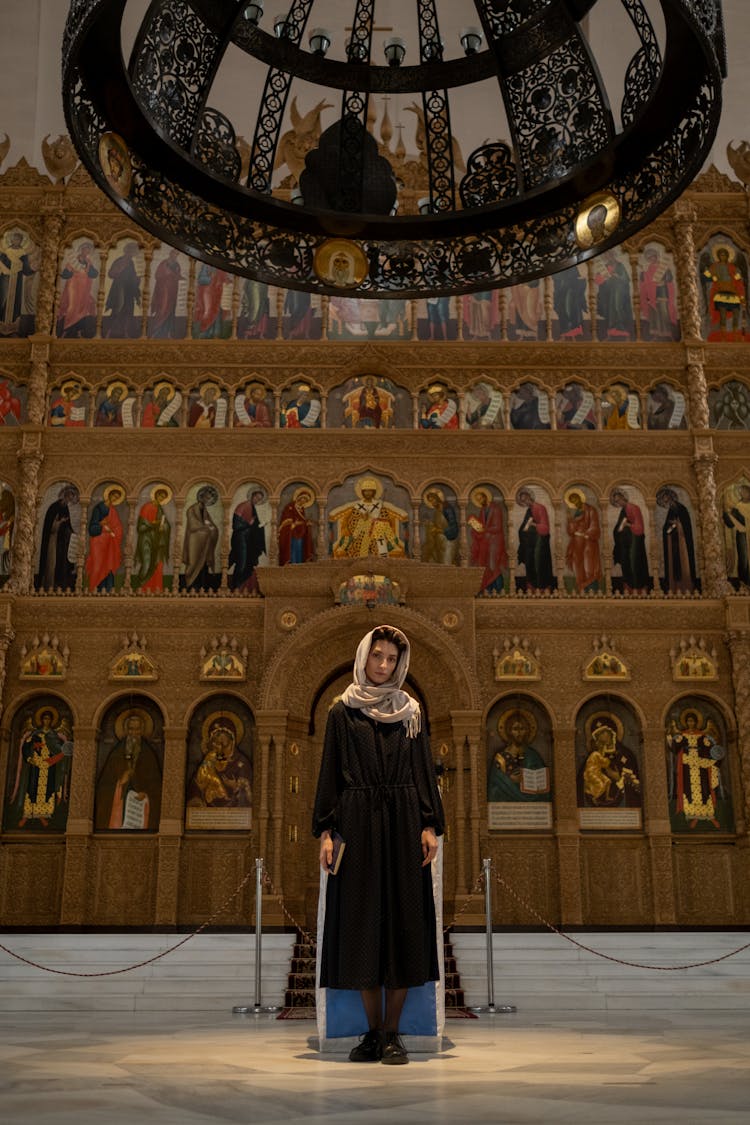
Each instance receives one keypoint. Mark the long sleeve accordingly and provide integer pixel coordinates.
(327, 793)
(425, 779)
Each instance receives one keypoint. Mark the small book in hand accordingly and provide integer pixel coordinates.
(338, 852)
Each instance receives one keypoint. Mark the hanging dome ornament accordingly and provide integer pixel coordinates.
(560, 181)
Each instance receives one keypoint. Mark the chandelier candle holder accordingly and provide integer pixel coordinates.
(557, 178)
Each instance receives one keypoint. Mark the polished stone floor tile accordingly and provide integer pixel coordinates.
(674, 1068)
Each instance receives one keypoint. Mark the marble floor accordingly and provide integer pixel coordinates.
(91, 1068)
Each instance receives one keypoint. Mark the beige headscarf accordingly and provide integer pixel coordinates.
(386, 703)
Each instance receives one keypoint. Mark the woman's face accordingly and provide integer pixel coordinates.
(381, 662)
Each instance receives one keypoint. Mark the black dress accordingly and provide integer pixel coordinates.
(377, 786)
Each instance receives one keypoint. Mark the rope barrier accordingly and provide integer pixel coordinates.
(607, 956)
(310, 938)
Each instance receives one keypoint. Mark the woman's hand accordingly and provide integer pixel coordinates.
(429, 846)
(326, 850)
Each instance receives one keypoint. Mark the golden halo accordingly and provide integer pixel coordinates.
(225, 719)
(160, 386)
(255, 387)
(723, 246)
(210, 384)
(303, 490)
(113, 488)
(526, 715)
(143, 714)
(41, 710)
(332, 256)
(571, 492)
(604, 719)
(480, 490)
(432, 491)
(368, 482)
(160, 488)
(529, 492)
(114, 386)
(112, 149)
(692, 711)
(604, 225)
(71, 383)
(25, 240)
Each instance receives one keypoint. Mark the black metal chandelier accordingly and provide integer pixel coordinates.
(559, 182)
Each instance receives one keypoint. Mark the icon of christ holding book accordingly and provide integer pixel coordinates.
(517, 771)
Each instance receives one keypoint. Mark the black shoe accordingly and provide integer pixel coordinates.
(394, 1051)
(369, 1048)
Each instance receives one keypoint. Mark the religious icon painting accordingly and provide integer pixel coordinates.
(575, 408)
(250, 542)
(700, 780)
(484, 407)
(156, 520)
(729, 406)
(219, 790)
(517, 661)
(371, 590)
(487, 527)
(608, 766)
(694, 660)
(583, 572)
(297, 524)
(44, 658)
(614, 296)
(369, 402)
(254, 407)
(208, 407)
(605, 664)
(258, 315)
(162, 407)
(436, 319)
(114, 158)
(621, 408)
(629, 526)
(571, 319)
(212, 303)
(533, 526)
(167, 304)
(78, 290)
(301, 407)
(439, 525)
(519, 765)
(736, 520)
(368, 517)
(58, 537)
(525, 315)
(667, 408)
(529, 408)
(481, 315)
(40, 763)
(675, 528)
(69, 405)
(224, 659)
(13, 398)
(115, 406)
(438, 408)
(108, 518)
(132, 662)
(122, 318)
(19, 281)
(302, 317)
(723, 278)
(201, 538)
(657, 289)
(7, 525)
(129, 767)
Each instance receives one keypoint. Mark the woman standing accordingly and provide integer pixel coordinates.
(377, 789)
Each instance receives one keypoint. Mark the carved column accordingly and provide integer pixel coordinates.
(82, 541)
(130, 544)
(75, 908)
(273, 540)
(549, 307)
(636, 291)
(6, 640)
(462, 885)
(416, 538)
(654, 552)
(657, 826)
(171, 826)
(463, 536)
(177, 545)
(686, 272)
(277, 816)
(52, 208)
(226, 540)
(30, 459)
(271, 730)
(148, 258)
(697, 388)
(739, 646)
(715, 584)
(36, 406)
(466, 727)
(566, 827)
(322, 545)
